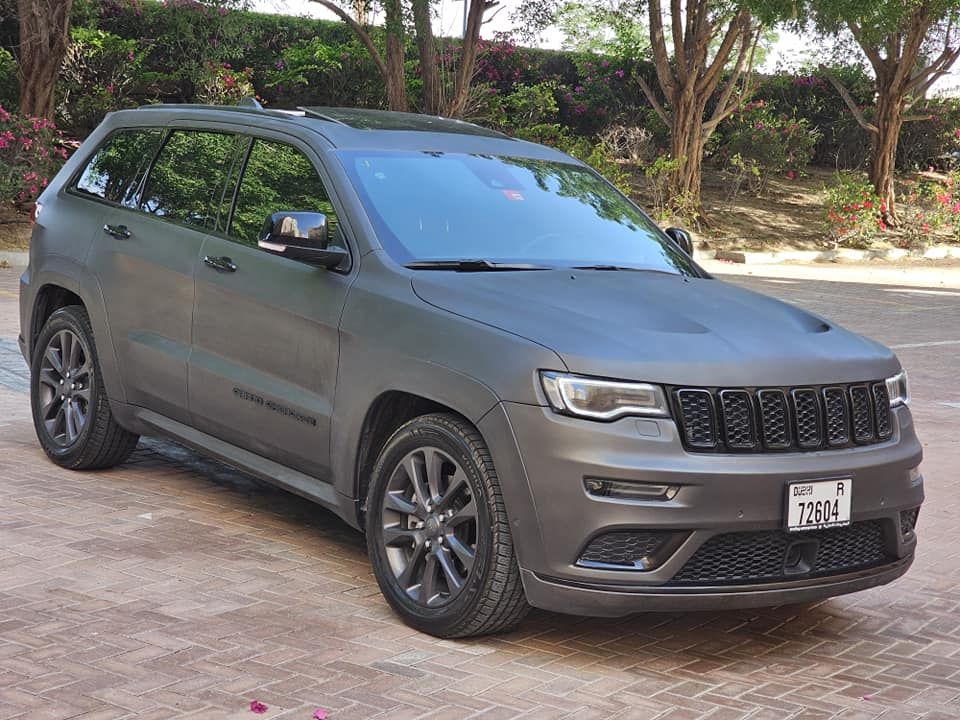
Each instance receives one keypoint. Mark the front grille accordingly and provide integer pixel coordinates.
(747, 557)
(627, 549)
(783, 419)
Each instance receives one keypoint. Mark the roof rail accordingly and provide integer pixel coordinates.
(312, 112)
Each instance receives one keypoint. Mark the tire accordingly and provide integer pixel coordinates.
(77, 430)
(466, 514)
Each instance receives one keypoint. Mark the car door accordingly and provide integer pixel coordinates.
(265, 331)
(146, 257)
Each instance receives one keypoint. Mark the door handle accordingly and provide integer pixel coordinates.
(120, 232)
(222, 263)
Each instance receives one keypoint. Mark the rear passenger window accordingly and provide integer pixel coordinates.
(277, 177)
(115, 171)
(188, 181)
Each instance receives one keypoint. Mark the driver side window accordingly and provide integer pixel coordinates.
(277, 177)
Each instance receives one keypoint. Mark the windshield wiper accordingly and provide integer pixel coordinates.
(622, 267)
(472, 265)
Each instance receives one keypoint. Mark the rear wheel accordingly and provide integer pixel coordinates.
(438, 531)
(71, 413)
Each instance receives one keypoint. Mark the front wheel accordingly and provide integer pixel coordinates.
(438, 531)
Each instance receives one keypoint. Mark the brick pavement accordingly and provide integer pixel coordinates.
(176, 587)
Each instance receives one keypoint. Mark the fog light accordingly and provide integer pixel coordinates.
(629, 489)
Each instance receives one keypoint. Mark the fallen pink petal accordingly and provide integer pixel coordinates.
(258, 707)
(869, 696)
(319, 714)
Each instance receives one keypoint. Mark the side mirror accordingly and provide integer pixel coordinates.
(682, 238)
(300, 236)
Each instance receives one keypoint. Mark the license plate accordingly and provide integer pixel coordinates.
(818, 504)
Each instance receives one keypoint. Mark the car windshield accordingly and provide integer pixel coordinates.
(433, 206)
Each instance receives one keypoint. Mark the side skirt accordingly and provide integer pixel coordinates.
(151, 423)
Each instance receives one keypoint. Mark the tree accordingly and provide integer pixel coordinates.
(391, 65)
(44, 37)
(688, 77)
(910, 44)
(703, 70)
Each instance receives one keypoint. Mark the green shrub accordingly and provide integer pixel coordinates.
(764, 143)
(9, 84)
(31, 152)
(222, 85)
(100, 71)
(853, 211)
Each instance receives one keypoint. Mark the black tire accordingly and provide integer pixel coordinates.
(99, 442)
(491, 598)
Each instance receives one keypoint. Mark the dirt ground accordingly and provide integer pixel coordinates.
(14, 229)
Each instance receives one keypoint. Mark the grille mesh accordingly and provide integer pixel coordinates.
(862, 415)
(773, 410)
(738, 418)
(838, 420)
(623, 548)
(780, 419)
(747, 557)
(807, 413)
(881, 401)
(908, 520)
(699, 419)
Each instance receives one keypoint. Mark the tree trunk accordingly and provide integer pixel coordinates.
(44, 36)
(429, 74)
(888, 122)
(468, 59)
(396, 76)
(686, 146)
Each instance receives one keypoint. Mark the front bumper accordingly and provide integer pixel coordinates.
(543, 459)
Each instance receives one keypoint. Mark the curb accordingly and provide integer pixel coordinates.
(15, 259)
(934, 252)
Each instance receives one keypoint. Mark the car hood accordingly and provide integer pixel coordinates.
(660, 327)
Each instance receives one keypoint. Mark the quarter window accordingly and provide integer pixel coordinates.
(189, 179)
(116, 170)
(277, 177)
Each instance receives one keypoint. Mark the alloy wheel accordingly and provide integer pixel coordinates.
(430, 527)
(64, 388)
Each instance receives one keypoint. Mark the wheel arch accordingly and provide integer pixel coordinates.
(58, 285)
(389, 410)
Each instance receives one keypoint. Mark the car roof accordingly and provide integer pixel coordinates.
(352, 128)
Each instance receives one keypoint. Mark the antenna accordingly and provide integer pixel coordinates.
(250, 102)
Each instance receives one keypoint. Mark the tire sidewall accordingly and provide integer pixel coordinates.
(64, 319)
(416, 434)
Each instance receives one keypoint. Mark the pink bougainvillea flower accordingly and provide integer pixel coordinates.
(868, 696)
(257, 707)
(319, 714)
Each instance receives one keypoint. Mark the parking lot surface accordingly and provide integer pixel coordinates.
(173, 586)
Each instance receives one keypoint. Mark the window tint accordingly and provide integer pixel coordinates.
(188, 181)
(115, 171)
(277, 177)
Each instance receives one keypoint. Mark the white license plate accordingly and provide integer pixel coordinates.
(819, 504)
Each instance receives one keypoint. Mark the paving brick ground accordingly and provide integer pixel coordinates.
(175, 587)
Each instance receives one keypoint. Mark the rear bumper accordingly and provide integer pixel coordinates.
(613, 601)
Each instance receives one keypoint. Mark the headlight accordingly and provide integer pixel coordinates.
(598, 399)
(897, 389)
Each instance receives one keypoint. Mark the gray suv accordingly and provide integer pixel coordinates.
(471, 347)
